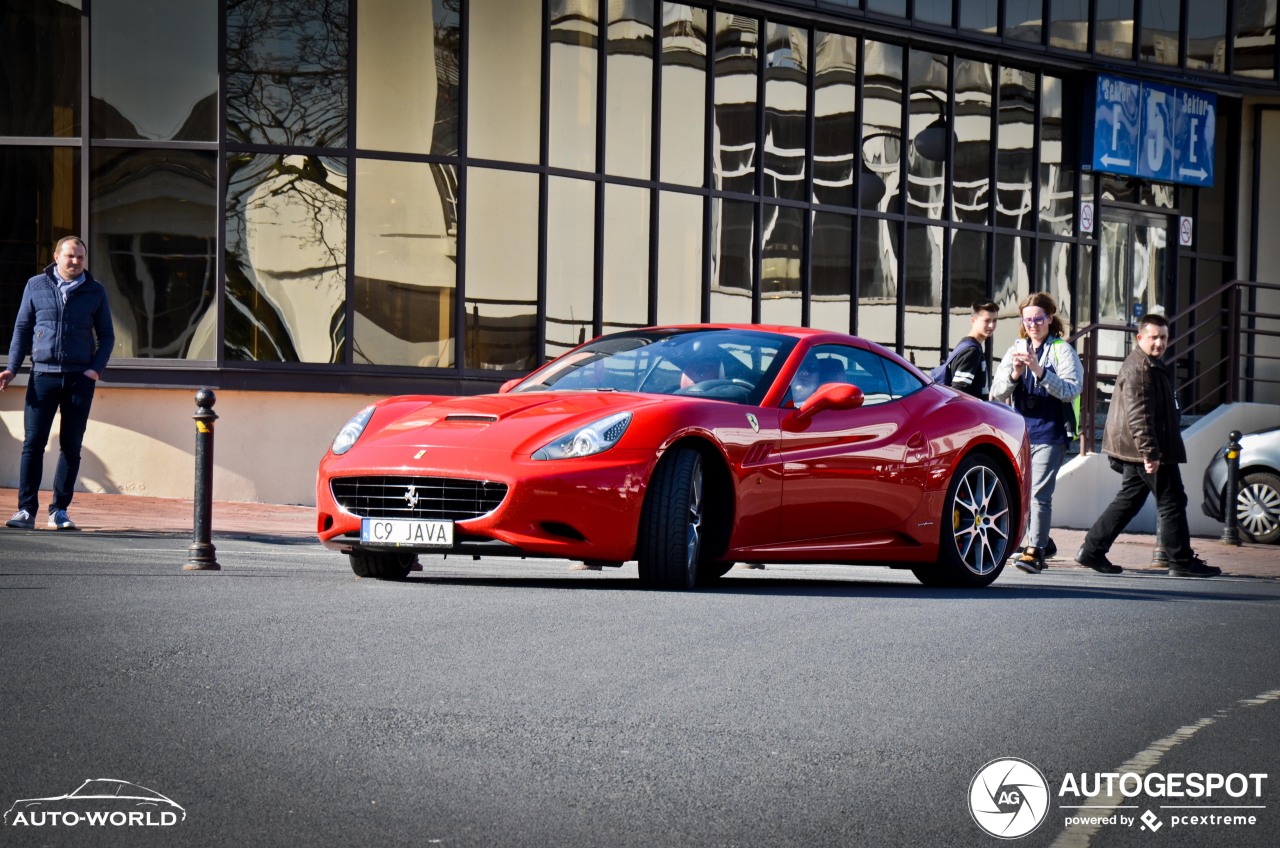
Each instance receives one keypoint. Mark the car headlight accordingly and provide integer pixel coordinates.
(351, 431)
(592, 439)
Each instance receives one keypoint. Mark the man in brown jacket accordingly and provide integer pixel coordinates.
(1144, 443)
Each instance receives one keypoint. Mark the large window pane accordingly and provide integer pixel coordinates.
(287, 72)
(39, 204)
(878, 281)
(40, 69)
(934, 12)
(1069, 24)
(1016, 155)
(286, 257)
(570, 300)
(153, 217)
(786, 98)
(832, 276)
(781, 265)
(684, 93)
(922, 294)
(980, 16)
(575, 27)
(734, 157)
(881, 181)
(1161, 25)
(1115, 28)
(971, 187)
(405, 264)
(930, 132)
(680, 258)
(1012, 283)
(1057, 162)
(502, 270)
(1255, 40)
(1024, 20)
(1207, 36)
(629, 96)
(504, 79)
(626, 258)
(733, 239)
(155, 70)
(835, 120)
(968, 266)
(407, 71)
(1054, 274)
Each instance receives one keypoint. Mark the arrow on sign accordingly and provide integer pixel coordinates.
(1199, 173)
(1108, 160)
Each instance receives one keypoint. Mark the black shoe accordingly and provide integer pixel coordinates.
(1050, 549)
(1031, 560)
(1098, 563)
(1194, 567)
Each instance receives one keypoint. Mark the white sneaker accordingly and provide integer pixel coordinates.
(59, 520)
(21, 520)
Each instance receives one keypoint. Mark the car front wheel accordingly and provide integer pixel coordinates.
(382, 566)
(1258, 507)
(671, 522)
(977, 517)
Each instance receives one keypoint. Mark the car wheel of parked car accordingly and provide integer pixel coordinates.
(1258, 507)
(670, 543)
(383, 566)
(977, 519)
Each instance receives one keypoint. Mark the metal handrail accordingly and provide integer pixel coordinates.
(1240, 325)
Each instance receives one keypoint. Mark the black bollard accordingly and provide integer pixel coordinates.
(1231, 532)
(200, 556)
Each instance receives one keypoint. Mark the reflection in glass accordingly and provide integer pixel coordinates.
(408, 64)
(1012, 277)
(980, 16)
(684, 92)
(922, 294)
(571, 117)
(968, 267)
(971, 187)
(155, 70)
(1207, 37)
(679, 258)
(1015, 157)
(1115, 28)
(1254, 46)
(1054, 275)
(39, 204)
(1069, 24)
(832, 271)
(878, 281)
(835, 118)
(1213, 216)
(734, 157)
(502, 270)
(287, 72)
(153, 219)
(733, 239)
(629, 95)
(882, 127)
(286, 257)
(570, 298)
(504, 80)
(1024, 20)
(933, 12)
(1084, 285)
(626, 258)
(1161, 24)
(930, 132)
(897, 8)
(40, 70)
(786, 95)
(1057, 162)
(405, 265)
(781, 271)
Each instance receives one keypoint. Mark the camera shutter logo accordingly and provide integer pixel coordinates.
(1008, 798)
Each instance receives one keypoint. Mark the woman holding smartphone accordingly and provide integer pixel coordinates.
(1040, 377)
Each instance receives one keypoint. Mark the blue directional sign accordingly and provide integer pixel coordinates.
(1154, 131)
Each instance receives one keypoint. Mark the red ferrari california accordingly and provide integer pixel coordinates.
(688, 449)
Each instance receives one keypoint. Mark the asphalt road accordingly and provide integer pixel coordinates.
(506, 703)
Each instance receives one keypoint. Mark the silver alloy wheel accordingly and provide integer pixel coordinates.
(694, 543)
(1258, 509)
(980, 520)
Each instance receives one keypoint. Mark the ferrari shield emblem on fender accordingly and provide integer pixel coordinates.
(755, 424)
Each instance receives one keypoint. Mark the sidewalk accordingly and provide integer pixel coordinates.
(96, 513)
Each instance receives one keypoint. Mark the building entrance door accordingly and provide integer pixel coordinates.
(1133, 276)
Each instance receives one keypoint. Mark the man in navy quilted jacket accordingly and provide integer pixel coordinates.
(64, 325)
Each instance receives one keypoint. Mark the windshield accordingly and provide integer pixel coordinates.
(721, 364)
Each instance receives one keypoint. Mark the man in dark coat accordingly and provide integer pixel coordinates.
(1144, 443)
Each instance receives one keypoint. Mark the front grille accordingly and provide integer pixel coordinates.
(440, 498)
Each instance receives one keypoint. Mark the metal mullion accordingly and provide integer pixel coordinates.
(757, 241)
(655, 164)
(855, 249)
(348, 307)
(544, 159)
(223, 176)
(602, 80)
(806, 227)
(460, 333)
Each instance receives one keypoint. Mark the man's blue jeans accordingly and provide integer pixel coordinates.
(68, 395)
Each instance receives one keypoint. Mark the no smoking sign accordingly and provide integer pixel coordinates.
(1186, 226)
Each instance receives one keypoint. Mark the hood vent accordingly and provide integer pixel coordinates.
(473, 417)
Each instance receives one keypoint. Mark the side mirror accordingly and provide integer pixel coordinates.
(830, 396)
(509, 385)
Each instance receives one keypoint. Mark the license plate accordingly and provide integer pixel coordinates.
(403, 532)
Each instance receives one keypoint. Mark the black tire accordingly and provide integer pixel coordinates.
(977, 517)
(1258, 507)
(669, 548)
(710, 572)
(382, 566)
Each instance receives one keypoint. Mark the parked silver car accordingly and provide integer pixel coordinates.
(1258, 503)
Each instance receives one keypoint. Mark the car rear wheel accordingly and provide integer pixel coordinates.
(1258, 507)
(382, 566)
(977, 515)
(671, 522)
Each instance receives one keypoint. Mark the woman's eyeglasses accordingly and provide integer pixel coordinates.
(1035, 322)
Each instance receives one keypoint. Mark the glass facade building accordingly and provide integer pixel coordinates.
(396, 195)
